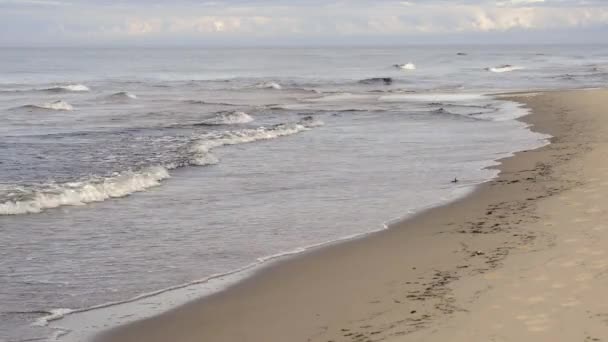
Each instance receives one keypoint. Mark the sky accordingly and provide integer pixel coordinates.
(300, 22)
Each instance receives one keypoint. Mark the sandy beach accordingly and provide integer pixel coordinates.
(523, 258)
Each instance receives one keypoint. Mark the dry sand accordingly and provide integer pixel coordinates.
(524, 258)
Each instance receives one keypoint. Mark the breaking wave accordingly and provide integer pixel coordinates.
(69, 87)
(200, 150)
(228, 118)
(504, 68)
(269, 85)
(123, 95)
(198, 153)
(80, 193)
(55, 105)
(407, 66)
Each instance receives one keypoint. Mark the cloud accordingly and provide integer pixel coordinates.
(136, 20)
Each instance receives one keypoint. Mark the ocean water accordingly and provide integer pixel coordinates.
(132, 180)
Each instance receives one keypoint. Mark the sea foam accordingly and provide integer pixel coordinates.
(269, 85)
(228, 118)
(55, 105)
(504, 68)
(198, 153)
(80, 193)
(70, 87)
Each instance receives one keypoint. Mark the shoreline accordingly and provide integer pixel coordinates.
(78, 324)
(247, 308)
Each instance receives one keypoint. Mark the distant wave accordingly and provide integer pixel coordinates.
(56, 105)
(201, 102)
(76, 88)
(504, 68)
(377, 80)
(228, 118)
(407, 66)
(123, 95)
(69, 88)
(198, 153)
(269, 85)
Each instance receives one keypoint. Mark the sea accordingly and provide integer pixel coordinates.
(133, 180)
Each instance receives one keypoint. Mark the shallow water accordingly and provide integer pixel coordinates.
(162, 167)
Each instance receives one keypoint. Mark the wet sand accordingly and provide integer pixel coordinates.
(522, 258)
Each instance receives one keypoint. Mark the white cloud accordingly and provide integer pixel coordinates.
(155, 19)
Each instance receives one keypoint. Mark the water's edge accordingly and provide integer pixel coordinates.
(82, 324)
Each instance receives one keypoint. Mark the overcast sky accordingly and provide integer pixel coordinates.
(300, 22)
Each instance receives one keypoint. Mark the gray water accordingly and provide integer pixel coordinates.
(161, 167)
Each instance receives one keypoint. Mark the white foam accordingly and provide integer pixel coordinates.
(407, 66)
(53, 315)
(201, 148)
(81, 193)
(229, 118)
(126, 183)
(75, 87)
(70, 87)
(56, 105)
(269, 85)
(504, 68)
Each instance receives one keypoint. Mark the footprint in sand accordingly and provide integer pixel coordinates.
(599, 264)
(570, 263)
(594, 210)
(538, 323)
(583, 277)
(538, 328)
(536, 299)
(570, 302)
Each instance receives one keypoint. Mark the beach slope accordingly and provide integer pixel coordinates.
(522, 258)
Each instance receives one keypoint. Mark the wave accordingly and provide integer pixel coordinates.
(69, 88)
(197, 153)
(200, 150)
(407, 66)
(227, 118)
(269, 85)
(377, 80)
(504, 68)
(123, 95)
(201, 102)
(55, 105)
(465, 116)
(80, 193)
